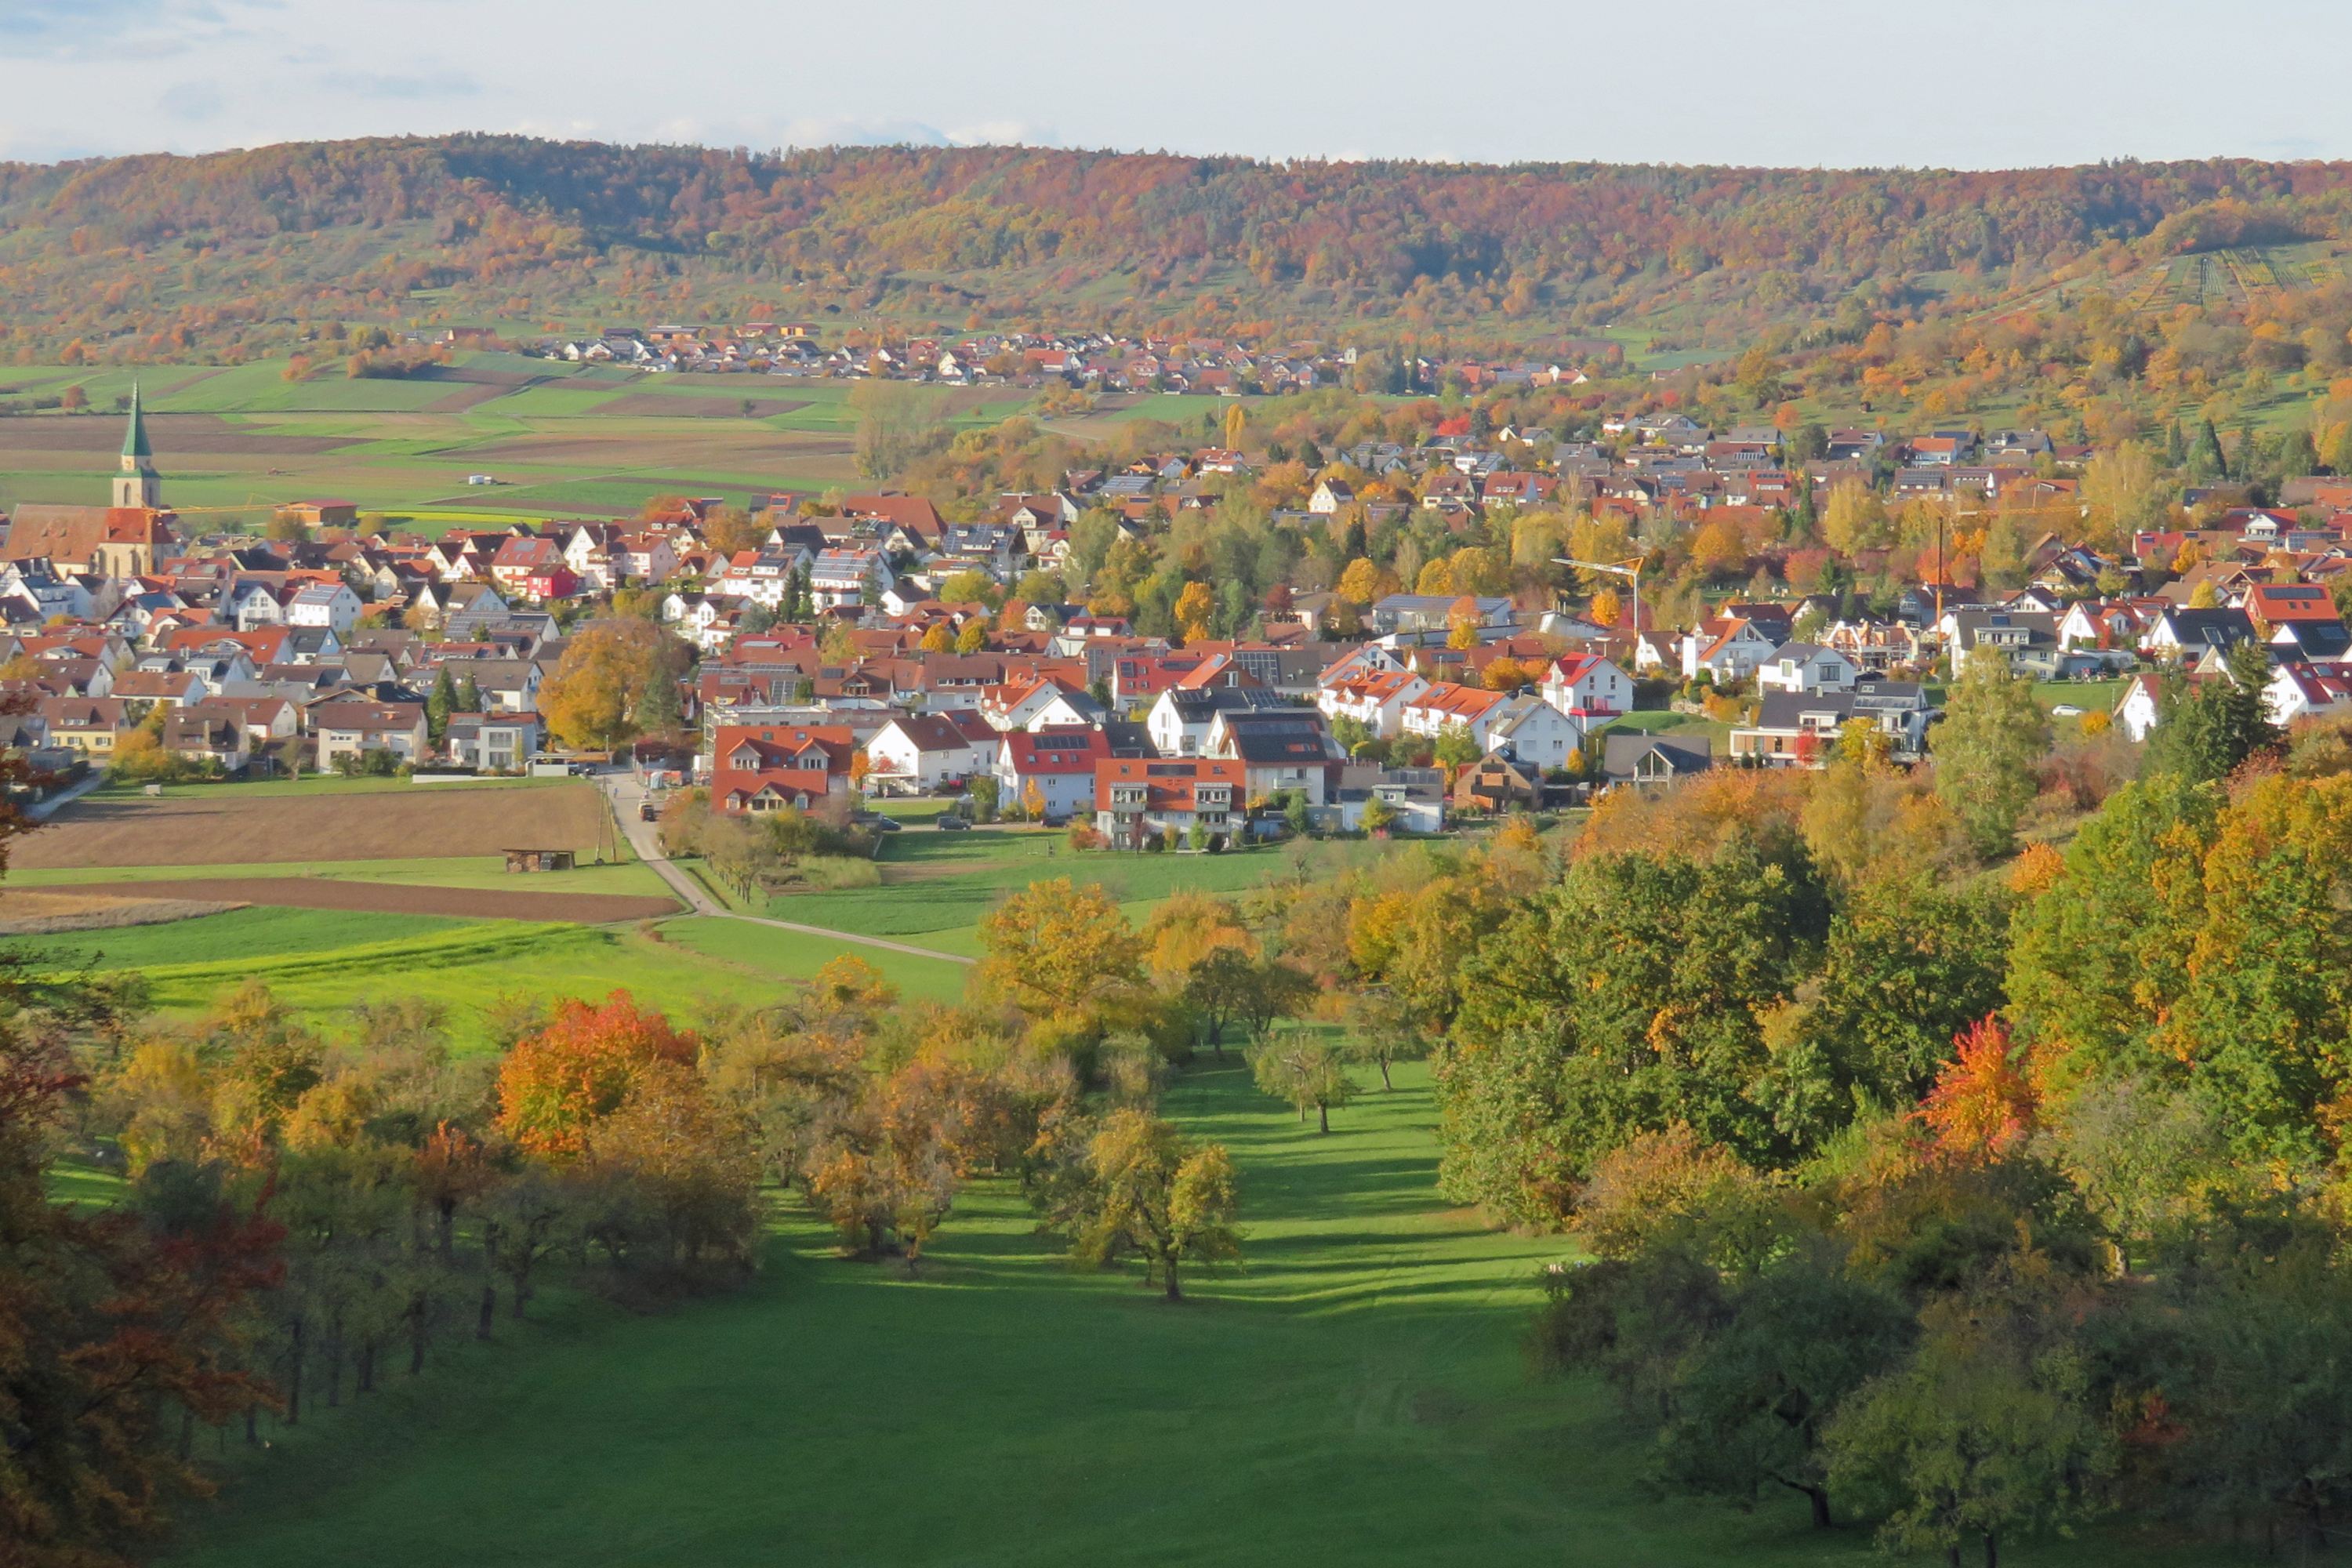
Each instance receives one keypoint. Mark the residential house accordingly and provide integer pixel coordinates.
(759, 768)
(1588, 687)
(1376, 701)
(1036, 702)
(329, 604)
(492, 743)
(1281, 749)
(1999, 632)
(843, 578)
(1653, 762)
(1728, 647)
(1135, 797)
(1056, 766)
(91, 725)
(1179, 721)
(200, 733)
(1806, 668)
(348, 728)
(1415, 797)
(1802, 729)
(918, 753)
(2140, 706)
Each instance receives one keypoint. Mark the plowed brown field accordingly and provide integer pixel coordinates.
(417, 821)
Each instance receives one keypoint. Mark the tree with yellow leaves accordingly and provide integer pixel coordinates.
(973, 638)
(1436, 577)
(936, 639)
(1055, 946)
(1364, 583)
(1187, 930)
(592, 699)
(1236, 417)
(1196, 608)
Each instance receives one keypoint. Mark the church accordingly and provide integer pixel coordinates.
(131, 538)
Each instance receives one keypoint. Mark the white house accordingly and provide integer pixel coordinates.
(1727, 646)
(1533, 733)
(1588, 686)
(1376, 701)
(1181, 718)
(844, 577)
(1038, 702)
(761, 576)
(915, 753)
(2136, 710)
(1059, 764)
(1447, 706)
(1807, 667)
(2304, 691)
(329, 604)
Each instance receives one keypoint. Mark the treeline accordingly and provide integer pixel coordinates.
(1968, 1192)
(529, 229)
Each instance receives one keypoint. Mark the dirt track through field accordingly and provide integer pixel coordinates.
(407, 899)
(415, 821)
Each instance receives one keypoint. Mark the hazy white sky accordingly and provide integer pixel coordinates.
(1973, 83)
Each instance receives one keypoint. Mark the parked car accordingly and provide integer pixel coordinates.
(2067, 711)
(952, 825)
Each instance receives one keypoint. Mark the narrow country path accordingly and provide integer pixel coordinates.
(623, 794)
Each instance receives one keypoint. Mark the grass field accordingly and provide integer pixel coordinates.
(234, 936)
(321, 962)
(937, 885)
(1356, 1392)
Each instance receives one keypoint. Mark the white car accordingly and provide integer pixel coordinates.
(2065, 711)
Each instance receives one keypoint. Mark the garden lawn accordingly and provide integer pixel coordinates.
(1356, 1393)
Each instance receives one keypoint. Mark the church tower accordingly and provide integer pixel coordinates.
(138, 485)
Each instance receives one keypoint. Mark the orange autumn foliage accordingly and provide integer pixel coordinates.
(556, 1084)
(1982, 1104)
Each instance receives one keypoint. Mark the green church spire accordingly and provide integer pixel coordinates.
(134, 438)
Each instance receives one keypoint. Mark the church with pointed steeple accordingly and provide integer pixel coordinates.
(138, 485)
(131, 538)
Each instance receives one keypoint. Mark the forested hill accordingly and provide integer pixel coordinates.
(235, 253)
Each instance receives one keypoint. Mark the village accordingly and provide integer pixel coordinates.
(865, 645)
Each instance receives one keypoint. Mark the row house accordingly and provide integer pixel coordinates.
(1136, 797)
(757, 769)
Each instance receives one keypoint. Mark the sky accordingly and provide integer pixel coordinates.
(1834, 83)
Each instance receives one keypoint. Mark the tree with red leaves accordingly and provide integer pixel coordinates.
(579, 1069)
(1983, 1105)
(119, 1331)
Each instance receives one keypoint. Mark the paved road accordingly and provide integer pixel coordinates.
(66, 797)
(624, 794)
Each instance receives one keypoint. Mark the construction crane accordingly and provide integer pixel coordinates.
(1630, 569)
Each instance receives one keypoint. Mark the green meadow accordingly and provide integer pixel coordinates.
(1355, 1391)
